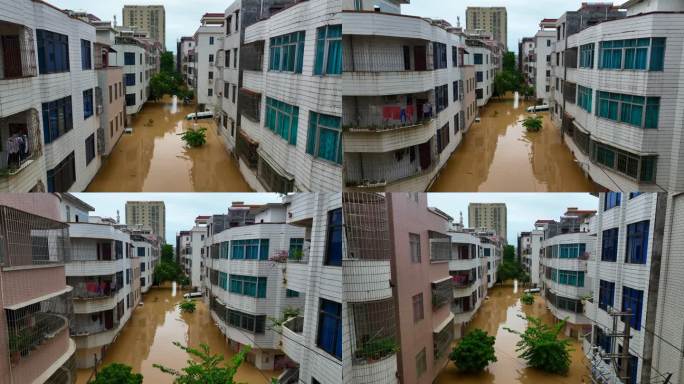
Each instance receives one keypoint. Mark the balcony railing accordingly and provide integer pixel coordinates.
(21, 141)
(374, 330)
(252, 56)
(249, 104)
(295, 324)
(27, 239)
(92, 323)
(17, 50)
(442, 293)
(93, 288)
(366, 226)
(440, 246)
(30, 326)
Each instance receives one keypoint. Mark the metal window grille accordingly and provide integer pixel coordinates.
(372, 330)
(366, 226)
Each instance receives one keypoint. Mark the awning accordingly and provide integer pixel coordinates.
(449, 320)
(274, 164)
(442, 280)
(38, 299)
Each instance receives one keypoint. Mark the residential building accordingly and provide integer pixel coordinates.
(565, 284)
(192, 259)
(545, 44)
(487, 59)
(186, 59)
(635, 270)
(422, 286)
(48, 114)
(492, 253)
(146, 248)
(527, 59)
(245, 290)
(238, 16)
(490, 19)
(617, 100)
(182, 245)
(529, 251)
(148, 213)
(408, 95)
(101, 273)
(490, 216)
(150, 18)
(34, 318)
(314, 340)
(208, 39)
(286, 58)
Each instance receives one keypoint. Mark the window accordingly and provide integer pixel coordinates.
(291, 293)
(477, 58)
(571, 251)
(421, 363)
(130, 79)
(287, 53)
(210, 92)
(211, 40)
(329, 334)
(414, 245)
(611, 200)
(228, 58)
(639, 111)
(333, 247)
(479, 94)
(640, 168)
(129, 58)
(211, 75)
(90, 148)
(247, 285)
(632, 54)
(441, 98)
(250, 323)
(211, 58)
(478, 76)
(455, 89)
(141, 253)
(328, 50)
(252, 249)
(282, 119)
(637, 242)
(234, 94)
(418, 307)
(226, 90)
(86, 58)
(53, 52)
(442, 138)
(235, 58)
(130, 99)
(609, 245)
(57, 119)
(358, 5)
(63, 176)
(439, 55)
(573, 278)
(633, 195)
(632, 300)
(606, 294)
(584, 98)
(587, 56)
(454, 57)
(324, 137)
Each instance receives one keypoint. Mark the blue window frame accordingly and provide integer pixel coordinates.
(130, 79)
(87, 103)
(90, 148)
(252, 249)
(333, 246)
(633, 195)
(632, 54)
(86, 57)
(606, 294)
(53, 52)
(287, 52)
(587, 56)
(328, 50)
(282, 119)
(248, 285)
(57, 119)
(324, 137)
(584, 98)
(223, 280)
(609, 245)
(637, 242)
(633, 300)
(129, 58)
(329, 334)
(63, 175)
(439, 55)
(611, 200)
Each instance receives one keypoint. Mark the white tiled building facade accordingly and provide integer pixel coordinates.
(208, 40)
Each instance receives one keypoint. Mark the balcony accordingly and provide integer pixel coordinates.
(293, 339)
(93, 288)
(94, 323)
(21, 146)
(463, 279)
(440, 246)
(442, 292)
(249, 104)
(252, 56)
(27, 239)
(17, 50)
(31, 326)
(373, 332)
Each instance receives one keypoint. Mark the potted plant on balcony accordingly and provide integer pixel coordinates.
(377, 348)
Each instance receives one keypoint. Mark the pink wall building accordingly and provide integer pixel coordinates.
(422, 286)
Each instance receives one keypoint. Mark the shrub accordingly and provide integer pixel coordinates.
(533, 123)
(542, 348)
(377, 348)
(211, 369)
(195, 137)
(474, 352)
(116, 373)
(527, 298)
(188, 306)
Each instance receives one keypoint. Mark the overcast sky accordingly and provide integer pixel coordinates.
(523, 15)
(181, 208)
(522, 209)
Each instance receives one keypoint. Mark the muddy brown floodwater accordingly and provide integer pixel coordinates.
(499, 155)
(155, 159)
(502, 310)
(147, 339)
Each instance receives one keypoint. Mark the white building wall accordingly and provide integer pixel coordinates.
(204, 48)
(544, 41)
(197, 242)
(139, 68)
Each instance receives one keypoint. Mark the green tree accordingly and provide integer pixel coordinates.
(509, 253)
(527, 298)
(508, 62)
(533, 123)
(166, 271)
(116, 373)
(166, 62)
(188, 306)
(167, 253)
(211, 369)
(542, 348)
(474, 352)
(508, 270)
(194, 137)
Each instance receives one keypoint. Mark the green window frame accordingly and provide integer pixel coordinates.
(296, 245)
(639, 111)
(328, 59)
(642, 54)
(584, 98)
(249, 249)
(324, 138)
(223, 280)
(224, 250)
(248, 285)
(282, 119)
(287, 52)
(639, 168)
(587, 56)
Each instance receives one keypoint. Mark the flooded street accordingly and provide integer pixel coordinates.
(502, 310)
(147, 339)
(498, 155)
(154, 158)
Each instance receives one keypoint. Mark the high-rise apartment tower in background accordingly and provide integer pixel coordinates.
(148, 213)
(489, 216)
(151, 18)
(490, 19)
